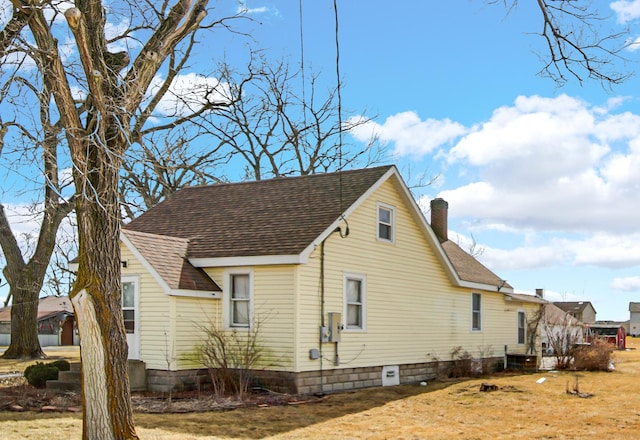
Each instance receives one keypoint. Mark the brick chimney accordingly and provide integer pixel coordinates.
(439, 214)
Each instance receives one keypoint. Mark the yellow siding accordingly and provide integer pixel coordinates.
(413, 313)
(273, 296)
(193, 317)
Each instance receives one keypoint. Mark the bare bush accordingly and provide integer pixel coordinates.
(594, 357)
(462, 365)
(229, 356)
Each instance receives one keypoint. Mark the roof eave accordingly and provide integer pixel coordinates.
(195, 293)
(482, 286)
(253, 260)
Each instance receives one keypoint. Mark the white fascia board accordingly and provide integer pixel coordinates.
(195, 293)
(260, 260)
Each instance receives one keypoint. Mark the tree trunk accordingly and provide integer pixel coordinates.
(24, 323)
(97, 301)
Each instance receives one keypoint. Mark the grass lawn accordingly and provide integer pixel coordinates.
(520, 408)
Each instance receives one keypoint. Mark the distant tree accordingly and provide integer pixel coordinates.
(273, 129)
(257, 120)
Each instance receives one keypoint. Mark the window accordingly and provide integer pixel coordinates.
(385, 223)
(522, 323)
(476, 311)
(239, 300)
(129, 305)
(354, 302)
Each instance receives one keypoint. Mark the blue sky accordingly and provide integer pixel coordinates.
(543, 178)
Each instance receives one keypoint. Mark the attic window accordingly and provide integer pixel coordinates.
(385, 223)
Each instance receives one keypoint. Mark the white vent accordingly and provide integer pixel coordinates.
(390, 375)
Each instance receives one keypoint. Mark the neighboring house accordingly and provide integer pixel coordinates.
(581, 310)
(55, 322)
(634, 319)
(560, 330)
(348, 283)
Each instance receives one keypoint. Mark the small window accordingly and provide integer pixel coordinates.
(239, 300)
(385, 223)
(522, 325)
(476, 311)
(129, 306)
(354, 300)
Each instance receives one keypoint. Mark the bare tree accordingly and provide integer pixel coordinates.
(562, 333)
(580, 42)
(98, 125)
(254, 119)
(158, 166)
(25, 269)
(272, 130)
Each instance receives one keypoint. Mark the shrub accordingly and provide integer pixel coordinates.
(229, 357)
(61, 365)
(594, 357)
(39, 373)
(462, 363)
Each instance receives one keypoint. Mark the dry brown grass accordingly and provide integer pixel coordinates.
(519, 408)
(72, 354)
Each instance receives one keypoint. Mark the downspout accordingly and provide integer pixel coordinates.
(322, 323)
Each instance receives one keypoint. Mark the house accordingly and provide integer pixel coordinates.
(581, 310)
(55, 322)
(634, 319)
(348, 283)
(560, 330)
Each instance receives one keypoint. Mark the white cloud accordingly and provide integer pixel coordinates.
(552, 164)
(627, 284)
(188, 93)
(626, 10)
(410, 135)
(244, 9)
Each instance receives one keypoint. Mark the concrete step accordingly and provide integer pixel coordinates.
(69, 376)
(63, 385)
(70, 380)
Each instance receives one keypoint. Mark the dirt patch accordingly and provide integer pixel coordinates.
(16, 395)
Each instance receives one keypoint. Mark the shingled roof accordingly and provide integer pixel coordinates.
(168, 257)
(280, 216)
(470, 269)
(277, 217)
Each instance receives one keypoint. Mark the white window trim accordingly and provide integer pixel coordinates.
(226, 298)
(481, 312)
(518, 327)
(392, 212)
(363, 285)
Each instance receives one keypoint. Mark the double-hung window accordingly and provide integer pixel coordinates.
(385, 223)
(354, 302)
(239, 305)
(522, 325)
(129, 305)
(476, 312)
